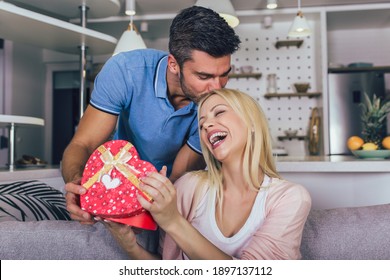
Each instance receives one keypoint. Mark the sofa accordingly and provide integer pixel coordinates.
(350, 233)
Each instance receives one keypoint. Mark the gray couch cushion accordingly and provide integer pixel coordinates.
(356, 233)
(61, 240)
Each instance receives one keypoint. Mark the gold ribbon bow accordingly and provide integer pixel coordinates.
(119, 161)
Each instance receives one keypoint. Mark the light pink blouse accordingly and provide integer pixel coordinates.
(279, 235)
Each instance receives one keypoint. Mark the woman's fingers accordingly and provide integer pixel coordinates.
(157, 184)
(163, 171)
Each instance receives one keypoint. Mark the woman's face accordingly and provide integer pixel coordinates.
(222, 130)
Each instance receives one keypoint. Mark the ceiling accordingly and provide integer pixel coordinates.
(173, 6)
(158, 14)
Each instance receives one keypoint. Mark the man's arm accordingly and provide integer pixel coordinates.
(94, 129)
(186, 160)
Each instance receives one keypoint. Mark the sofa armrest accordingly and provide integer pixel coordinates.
(347, 233)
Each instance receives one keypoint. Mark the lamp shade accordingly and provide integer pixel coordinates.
(272, 4)
(299, 27)
(223, 7)
(130, 40)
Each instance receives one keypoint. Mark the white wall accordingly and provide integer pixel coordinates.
(290, 64)
(362, 45)
(24, 95)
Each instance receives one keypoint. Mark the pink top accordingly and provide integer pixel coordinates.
(278, 233)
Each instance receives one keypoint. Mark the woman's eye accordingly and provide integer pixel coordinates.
(219, 113)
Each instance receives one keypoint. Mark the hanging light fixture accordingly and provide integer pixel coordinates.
(299, 27)
(130, 39)
(272, 4)
(130, 7)
(223, 7)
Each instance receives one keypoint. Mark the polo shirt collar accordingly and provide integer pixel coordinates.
(160, 83)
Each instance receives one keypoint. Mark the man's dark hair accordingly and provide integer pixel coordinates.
(202, 29)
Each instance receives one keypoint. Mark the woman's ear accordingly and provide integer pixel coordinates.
(173, 66)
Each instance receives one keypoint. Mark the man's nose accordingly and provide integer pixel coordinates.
(215, 83)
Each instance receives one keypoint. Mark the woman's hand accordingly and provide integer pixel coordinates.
(164, 206)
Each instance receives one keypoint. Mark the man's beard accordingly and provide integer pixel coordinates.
(187, 92)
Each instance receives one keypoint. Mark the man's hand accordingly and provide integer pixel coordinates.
(73, 192)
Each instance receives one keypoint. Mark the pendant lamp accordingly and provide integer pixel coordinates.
(130, 39)
(223, 7)
(272, 4)
(299, 27)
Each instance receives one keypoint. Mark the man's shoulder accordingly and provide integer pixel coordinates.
(142, 56)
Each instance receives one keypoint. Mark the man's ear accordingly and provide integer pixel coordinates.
(173, 66)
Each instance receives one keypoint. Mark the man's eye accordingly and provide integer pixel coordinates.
(203, 76)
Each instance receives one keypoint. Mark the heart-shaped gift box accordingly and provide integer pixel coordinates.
(111, 177)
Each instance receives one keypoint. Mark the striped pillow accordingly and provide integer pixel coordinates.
(31, 201)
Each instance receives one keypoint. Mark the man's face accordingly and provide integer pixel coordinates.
(203, 73)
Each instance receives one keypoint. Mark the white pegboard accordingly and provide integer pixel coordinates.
(290, 64)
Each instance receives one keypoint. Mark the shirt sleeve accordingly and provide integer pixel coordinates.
(279, 237)
(112, 87)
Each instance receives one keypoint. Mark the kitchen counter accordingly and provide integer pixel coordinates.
(339, 181)
(330, 164)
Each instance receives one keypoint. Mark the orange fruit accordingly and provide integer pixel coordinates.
(386, 142)
(355, 143)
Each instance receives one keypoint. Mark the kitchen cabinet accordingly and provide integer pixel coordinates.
(384, 69)
(338, 181)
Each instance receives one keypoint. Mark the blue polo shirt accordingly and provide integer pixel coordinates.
(133, 85)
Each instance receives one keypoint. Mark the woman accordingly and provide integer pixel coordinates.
(238, 208)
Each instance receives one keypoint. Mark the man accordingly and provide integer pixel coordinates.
(154, 94)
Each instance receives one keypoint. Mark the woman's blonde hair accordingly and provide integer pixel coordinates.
(258, 151)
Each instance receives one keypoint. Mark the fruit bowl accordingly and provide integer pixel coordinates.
(373, 154)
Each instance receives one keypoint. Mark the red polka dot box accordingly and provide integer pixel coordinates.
(111, 177)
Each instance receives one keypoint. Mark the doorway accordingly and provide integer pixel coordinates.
(65, 111)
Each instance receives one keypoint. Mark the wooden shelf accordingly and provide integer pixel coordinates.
(297, 137)
(277, 95)
(288, 43)
(249, 75)
(27, 27)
